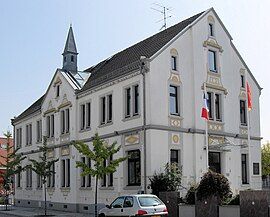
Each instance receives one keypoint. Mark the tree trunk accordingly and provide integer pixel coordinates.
(96, 197)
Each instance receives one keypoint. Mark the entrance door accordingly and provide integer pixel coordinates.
(214, 162)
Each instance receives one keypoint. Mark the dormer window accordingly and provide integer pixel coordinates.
(72, 58)
(211, 29)
(57, 90)
(173, 63)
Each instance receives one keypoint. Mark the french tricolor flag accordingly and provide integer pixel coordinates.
(205, 109)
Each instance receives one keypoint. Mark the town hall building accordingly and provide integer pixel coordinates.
(148, 98)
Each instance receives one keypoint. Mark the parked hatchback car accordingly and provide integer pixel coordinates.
(135, 205)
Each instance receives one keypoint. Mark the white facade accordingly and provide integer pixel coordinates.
(164, 131)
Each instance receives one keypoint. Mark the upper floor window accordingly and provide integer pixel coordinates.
(174, 100)
(211, 29)
(244, 168)
(243, 112)
(106, 109)
(132, 101)
(65, 173)
(174, 63)
(256, 168)
(65, 119)
(214, 106)
(85, 116)
(28, 134)
(175, 156)
(50, 125)
(19, 137)
(212, 61)
(72, 58)
(39, 131)
(57, 94)
(242, 81)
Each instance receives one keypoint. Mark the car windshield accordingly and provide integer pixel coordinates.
(149, 201)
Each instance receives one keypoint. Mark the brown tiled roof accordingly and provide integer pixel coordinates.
(118, 64)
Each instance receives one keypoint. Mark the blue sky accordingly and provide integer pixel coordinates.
(33, 33)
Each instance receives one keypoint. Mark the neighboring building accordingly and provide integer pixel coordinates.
(3, 153)
(169, 69)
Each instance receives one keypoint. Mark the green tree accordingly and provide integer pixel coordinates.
(266, 159)
(42, 167)
(11, 165)
(169, 180)
(100, 153)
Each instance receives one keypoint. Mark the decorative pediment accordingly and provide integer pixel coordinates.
(57, 81)
(132, 139)
(215, 126)
(50, 108)
(216, 140)
(214, 82)
(242, 94)
(211, 42)
(65, 102)
(65, 151)
(175, 78)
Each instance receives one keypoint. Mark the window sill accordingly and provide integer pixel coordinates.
(106, 188)
(85, 188)
(39, 188)
(65, 134)
(85, 130)
(65, 189)
(174, 71)
(50, 189)
(216, 122)
(243, 126)
(214, 73)
(105, 124)
(131, 117)
(38, 142)
(28, 188)
(178, 116)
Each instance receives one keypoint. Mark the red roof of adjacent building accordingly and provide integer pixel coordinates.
(3, 151)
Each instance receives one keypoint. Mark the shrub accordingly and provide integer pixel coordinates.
(234, 200)
(214, 184)
(169, 180)
(190, 196)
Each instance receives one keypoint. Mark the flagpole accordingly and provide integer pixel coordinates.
(248, 132)
(206, 133)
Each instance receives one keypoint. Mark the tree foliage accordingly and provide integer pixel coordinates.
(190, 196)
(42, 167)
(11, 164)
(266, 159)
(169, 180)
(213, 184)
(100, 153)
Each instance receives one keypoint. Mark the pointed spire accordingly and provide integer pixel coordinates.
(70, 46)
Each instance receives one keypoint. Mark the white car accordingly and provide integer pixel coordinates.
(135, 205)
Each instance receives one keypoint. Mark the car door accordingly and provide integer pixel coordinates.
(128, 207)
(116, 208)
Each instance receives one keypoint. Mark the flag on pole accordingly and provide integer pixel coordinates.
(205, 109)
(249, 97)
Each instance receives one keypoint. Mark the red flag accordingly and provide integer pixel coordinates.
(205, 109)
(249, 97)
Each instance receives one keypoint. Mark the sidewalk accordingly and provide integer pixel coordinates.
(30, 212)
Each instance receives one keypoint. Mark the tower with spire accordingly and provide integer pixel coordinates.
(70, 53)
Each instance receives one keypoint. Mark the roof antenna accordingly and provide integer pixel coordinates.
(163, 10)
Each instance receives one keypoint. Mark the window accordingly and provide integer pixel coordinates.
(175, 157)
(18, 179)
(211, 29)
(28, 134)
(242, 81)
(65, 58)
(132, 101)
(19, 137)
(134, 168)
(118, 202)
(65, 168)
(243, 112)
(28, 178)
(244, 169)
(107, 180)
(106, 109)
(128, 202)
(174, 104)
(57, 94)
(65, 121)
(85, 111)
(51, 177)
(256, 168)
(39, 131)
(173, 63)
(86, 180)
(212, 62)
(72, 58)
(39, 181)
(214, 162)
(214, 106)
(50, 126)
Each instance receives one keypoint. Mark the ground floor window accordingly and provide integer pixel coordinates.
(214, 162)
(134, 167)
(244, 169)
(19, 180)
(107, 180)
(28, 178)
(86, 180)
(256, 168)
(39, 181)
(65, 170)
(51, 178)
(175, 158)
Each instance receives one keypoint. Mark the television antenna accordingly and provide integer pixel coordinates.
(164, 11)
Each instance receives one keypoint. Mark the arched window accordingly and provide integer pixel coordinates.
(72, 58)
(211, 26)
(174, 59)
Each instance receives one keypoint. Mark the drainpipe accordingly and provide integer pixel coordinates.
(144, 67)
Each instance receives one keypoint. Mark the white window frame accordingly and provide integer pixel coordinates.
(132, 106)
(65, 120)
(50, 126)
(19, 137)
(213, 106)
(65, 173)
(106, 109)
(213, 29)
(28, 134)
(85, 116)
(178, 92)
(86, 180)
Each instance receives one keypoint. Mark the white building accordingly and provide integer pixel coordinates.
(148, 98)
